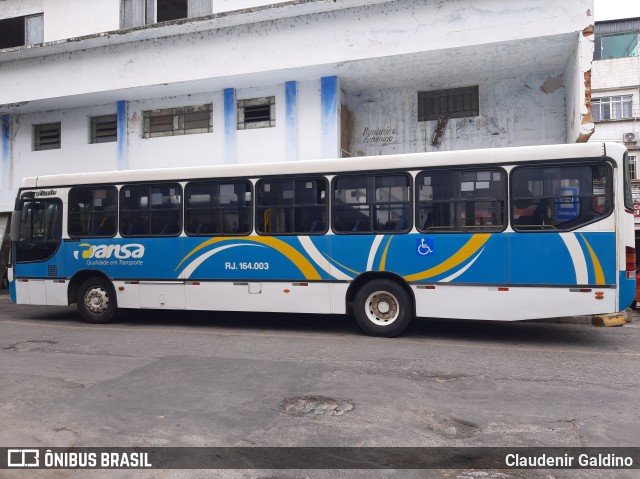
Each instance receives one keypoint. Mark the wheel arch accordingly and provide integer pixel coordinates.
(78, 278)
(364, 278)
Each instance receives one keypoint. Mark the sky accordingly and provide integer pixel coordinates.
(612, 9)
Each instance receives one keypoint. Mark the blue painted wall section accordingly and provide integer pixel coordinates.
(291, 100)
(5, 138)
(229, 126)
(121, 121)
(329, 108)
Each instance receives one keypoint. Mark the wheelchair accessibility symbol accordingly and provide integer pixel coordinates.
(425, 246)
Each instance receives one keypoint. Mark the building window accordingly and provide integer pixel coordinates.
(612, 108)
(168, 10)
(178, 121)
(134, 13)
(257, 113)
(633, 171)
(104, 129)
(452, 103)
(619, 45)
(46, 136)
(20, 31)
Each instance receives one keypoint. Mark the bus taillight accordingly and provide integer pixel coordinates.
(631, 258)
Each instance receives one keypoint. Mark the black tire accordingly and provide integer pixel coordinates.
(96, 300)
(395, 313)
(634, 304)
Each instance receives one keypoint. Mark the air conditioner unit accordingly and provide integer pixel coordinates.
(630, 137)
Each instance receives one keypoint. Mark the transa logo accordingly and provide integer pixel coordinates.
(106, 251)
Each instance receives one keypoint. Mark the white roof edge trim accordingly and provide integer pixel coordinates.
(339, 165)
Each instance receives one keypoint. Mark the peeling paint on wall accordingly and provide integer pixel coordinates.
(552, 84)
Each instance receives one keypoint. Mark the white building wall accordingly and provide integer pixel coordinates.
(76, 155)
(262, 145)
(309, 144)
(230, 5)
(513, 112)
(616, 73)
(380, 53)
(324, 39)
(69, 19)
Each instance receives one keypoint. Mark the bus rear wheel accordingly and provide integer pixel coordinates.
(96, 300)
(383, 308)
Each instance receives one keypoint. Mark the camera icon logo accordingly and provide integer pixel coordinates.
(23, 458)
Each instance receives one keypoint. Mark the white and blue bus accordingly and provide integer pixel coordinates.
(496, 234)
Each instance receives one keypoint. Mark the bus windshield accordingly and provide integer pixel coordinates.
(39, 230)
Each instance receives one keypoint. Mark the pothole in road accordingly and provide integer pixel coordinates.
(26, 346)
(451, 426)
(316, 406)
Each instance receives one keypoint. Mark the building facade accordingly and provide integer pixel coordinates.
(616, 93)
(122, 84)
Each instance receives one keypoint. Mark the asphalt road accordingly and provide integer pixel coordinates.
(226, 379)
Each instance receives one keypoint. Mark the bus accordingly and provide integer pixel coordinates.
(496, 234)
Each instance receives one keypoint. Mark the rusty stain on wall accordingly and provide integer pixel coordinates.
(347, 122)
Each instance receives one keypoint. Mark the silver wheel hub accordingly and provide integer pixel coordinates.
(96, 300)
(382, 308)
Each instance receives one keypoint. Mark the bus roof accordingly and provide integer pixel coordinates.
(339, 165)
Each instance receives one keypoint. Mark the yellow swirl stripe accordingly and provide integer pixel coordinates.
(383, 260)
(302, 263)
(597, 268)
(341, 265)
(464, 253)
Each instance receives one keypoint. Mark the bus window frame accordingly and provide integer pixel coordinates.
(105, 186)
(150, 184)
(609, 194)
(219, 181)
(504, 177)
(24, 198)
(375, 174)
(293, 178)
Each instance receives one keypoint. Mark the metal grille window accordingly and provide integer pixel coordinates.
(612, 107)
(452, 103)
(46, 136)
(257, 113)
(150, 210)
(218, 208)
(292, 206)
(178, 121)
(92, 211)
(461, 200)
(104, 129)
(375, 203)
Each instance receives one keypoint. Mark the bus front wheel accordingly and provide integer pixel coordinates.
(96, 300)
(383, 308)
